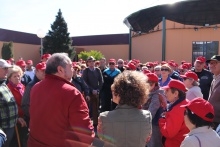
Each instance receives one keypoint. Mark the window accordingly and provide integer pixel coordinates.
(204, 48)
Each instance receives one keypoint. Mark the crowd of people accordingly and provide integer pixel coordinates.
(109, 103)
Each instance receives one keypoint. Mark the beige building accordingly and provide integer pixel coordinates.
(183, 42)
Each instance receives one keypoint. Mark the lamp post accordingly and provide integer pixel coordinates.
(41, 34)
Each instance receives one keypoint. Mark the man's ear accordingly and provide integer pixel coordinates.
(60, 69)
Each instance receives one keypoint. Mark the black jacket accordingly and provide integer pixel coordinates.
(205, 80)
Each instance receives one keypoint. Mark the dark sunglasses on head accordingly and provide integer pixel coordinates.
(164, 69)
(111, 63)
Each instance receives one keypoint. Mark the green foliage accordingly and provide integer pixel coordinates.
(7, 50)
(57, 39)
(96, 54)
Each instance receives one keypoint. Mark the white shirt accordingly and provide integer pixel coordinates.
(194, 92)
(207, 136)
(30, 73)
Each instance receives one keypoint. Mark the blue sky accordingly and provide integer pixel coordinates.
(83, 17)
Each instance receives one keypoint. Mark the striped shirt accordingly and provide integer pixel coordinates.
(8, 108)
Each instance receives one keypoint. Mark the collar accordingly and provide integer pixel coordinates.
(125, 106)
(216, 77)
(51, 76)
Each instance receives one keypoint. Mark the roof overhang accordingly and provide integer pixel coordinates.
(189, 12)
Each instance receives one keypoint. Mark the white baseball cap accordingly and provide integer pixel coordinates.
(4, 64)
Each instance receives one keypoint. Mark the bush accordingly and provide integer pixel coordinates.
(7, 50)
(96, 54)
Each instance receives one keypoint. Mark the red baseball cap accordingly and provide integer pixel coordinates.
(190, 74)
(175, 84)
(163, 62)
(201, 59)
(46, 56)
(21, 63)
(29, 62)
(131, 66)
(183, 66)
(11, 59)
(112, 60)
(172, 64)
(200, 107)
(183, 61)
(146, 71)
(41, 66)
(152, 77)
(150, 64)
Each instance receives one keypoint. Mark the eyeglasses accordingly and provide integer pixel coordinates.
(91, 61)
(120, 63)
(185, 79)
(157, 70)
(181, 70)
(111, 63)
(214, 63)
(165, 69)
(148, 66)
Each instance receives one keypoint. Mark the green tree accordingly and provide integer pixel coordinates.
(7, 50)
(57, 39)
(96, 54)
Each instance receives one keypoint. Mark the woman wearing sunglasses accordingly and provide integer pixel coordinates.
(198, 117)
(165, 75)
(172, 124)
(191, 81)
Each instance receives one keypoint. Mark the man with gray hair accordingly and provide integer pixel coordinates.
(57, 107)
(8, 105)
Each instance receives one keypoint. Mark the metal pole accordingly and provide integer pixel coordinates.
(130, 44)
(164, 39)
(41, 47)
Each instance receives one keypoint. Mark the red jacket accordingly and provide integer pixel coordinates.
(173, 127)
(56, 108)
(18, 97)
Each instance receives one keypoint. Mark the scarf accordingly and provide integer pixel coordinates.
(19, 87)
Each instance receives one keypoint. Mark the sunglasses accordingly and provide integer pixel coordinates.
(165, 69)
(181, 70)
(120, 63)
(185, 79)
(111, 63)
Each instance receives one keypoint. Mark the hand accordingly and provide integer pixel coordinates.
(87, 98)
(22, 122)
(95, 92)
(163, 114)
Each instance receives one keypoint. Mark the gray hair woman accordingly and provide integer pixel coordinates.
(127, 125)
(191, 81)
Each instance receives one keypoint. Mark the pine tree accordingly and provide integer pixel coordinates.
(7, 50)
(57, 39)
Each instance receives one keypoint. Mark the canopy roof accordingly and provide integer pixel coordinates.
(189, 12)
